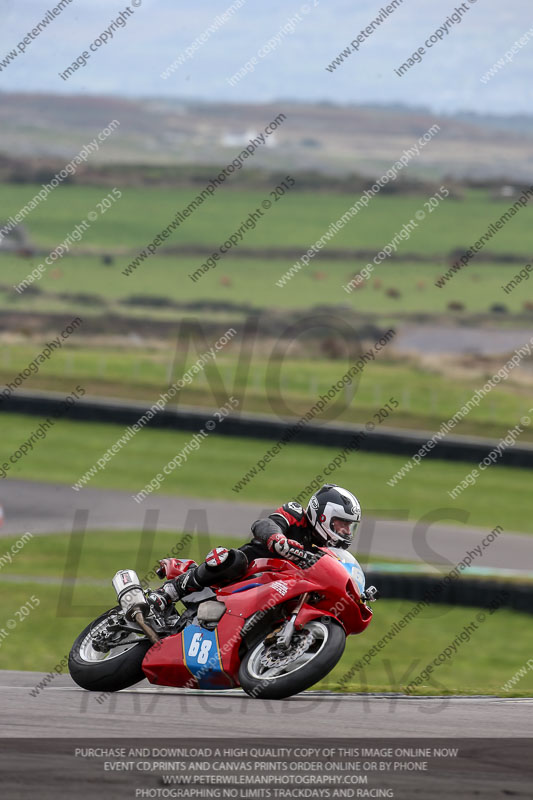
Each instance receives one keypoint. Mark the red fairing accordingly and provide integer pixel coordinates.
(200, 657)
(168, 664)
(328, 578)
(173, 567)
(164, 664)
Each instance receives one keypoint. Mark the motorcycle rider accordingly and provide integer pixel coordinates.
(330, 519)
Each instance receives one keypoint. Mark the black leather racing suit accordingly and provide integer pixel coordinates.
(288, 519)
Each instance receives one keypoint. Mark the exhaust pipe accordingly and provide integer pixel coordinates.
(132, 600)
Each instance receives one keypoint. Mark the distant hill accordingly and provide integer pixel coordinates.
(332, 139)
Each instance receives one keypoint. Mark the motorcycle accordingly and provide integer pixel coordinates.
(275, 632)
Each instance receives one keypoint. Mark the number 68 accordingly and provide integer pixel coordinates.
(199, 648)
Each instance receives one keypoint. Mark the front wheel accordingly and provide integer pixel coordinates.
(109, 671)
(269, 672)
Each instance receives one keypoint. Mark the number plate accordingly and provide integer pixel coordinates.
(202, 657)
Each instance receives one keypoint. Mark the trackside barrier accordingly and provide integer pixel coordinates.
(462, 592)
(255, 426)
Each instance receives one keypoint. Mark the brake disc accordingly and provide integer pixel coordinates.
(274, 657)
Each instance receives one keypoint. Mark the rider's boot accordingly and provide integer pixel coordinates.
(220, 566)
(175, 589)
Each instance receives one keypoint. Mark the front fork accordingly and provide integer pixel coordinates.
(284, 637)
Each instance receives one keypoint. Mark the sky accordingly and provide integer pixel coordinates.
(304, 38)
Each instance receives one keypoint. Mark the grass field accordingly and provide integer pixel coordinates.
(211, 471)
(426, 398)
(253, 281)
(42, 639)
(296, 220)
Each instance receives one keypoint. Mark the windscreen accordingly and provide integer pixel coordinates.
(351, 564)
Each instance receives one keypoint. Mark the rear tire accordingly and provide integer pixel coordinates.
(310, 666)
(106, 672)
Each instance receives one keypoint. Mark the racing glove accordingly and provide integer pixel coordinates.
(281, 546)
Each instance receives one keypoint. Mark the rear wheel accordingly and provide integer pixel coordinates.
(270, 672)
(109, 671)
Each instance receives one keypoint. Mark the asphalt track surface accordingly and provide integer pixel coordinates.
(47, 508)
(63, 710)
(39, 736)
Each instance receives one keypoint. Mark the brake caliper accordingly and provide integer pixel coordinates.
(274, 657)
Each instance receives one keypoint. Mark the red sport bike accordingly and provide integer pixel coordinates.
(274, 632)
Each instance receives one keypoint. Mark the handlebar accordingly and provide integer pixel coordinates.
(303, 558)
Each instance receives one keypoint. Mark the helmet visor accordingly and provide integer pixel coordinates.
(343, 529)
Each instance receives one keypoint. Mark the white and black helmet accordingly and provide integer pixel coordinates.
(332, 501)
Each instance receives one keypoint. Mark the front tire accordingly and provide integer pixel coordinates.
(268, 673)
(106, 672)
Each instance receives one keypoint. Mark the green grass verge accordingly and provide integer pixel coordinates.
(211, 471)
(482, 665)
(97, 555)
